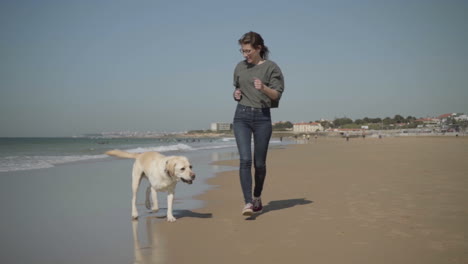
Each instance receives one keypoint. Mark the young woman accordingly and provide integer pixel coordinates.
(258, 85)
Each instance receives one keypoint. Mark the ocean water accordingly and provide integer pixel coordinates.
(32, 158)
(67, 202)
(18, 154)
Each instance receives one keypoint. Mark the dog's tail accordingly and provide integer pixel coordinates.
(122, 154)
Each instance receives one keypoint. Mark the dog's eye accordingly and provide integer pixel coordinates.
(182, 169)
(190, 166)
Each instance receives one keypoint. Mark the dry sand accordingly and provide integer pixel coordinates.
(391, 200)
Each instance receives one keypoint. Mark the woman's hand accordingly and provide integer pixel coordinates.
(271, 93)
(237, 94)
(258, 84)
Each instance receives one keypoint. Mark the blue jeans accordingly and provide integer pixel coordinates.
(248, 121)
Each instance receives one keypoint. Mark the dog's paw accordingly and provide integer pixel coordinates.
(134, 217)
(154, 210)
(171, 219)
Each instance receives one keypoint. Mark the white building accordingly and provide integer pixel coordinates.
(221, 126)
(461, 118)
(307, 127)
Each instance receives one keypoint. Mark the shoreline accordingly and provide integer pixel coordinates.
(276, 134)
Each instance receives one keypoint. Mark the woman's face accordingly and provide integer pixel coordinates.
(250, 54)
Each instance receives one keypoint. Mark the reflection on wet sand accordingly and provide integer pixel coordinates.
(152, 249)
(217, 156)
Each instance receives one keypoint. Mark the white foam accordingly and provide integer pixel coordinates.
(177, 147)
(18, 163)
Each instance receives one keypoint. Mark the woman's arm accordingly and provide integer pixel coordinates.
(271, 93)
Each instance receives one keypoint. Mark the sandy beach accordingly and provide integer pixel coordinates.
(390, 200)
(395, 200)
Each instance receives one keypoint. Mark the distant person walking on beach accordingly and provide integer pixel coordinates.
(259, 85)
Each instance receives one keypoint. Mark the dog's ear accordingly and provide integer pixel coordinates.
(170, 167)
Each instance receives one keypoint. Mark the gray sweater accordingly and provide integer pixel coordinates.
(268, 72)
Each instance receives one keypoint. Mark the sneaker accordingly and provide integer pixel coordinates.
(257, 205)
(248, 210)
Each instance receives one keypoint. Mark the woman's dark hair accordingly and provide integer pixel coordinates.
(256, 41)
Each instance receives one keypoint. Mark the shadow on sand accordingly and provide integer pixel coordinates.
(181, 214)
(280, 205)
(188, 213)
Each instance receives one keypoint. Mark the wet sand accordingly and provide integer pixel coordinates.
(391, 200)
(81, 212)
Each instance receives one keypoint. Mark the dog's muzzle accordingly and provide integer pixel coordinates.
(192, 176)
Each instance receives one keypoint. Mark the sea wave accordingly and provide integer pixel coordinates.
(18, 163)
(31, 162)
(177, 147)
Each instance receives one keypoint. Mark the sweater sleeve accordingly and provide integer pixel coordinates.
(277, 81)
(236, 78)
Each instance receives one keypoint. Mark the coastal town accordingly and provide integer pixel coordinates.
(445, 124)
(442, 124)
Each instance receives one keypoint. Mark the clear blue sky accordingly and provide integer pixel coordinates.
(74, 67)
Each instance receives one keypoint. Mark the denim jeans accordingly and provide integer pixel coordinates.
(250, 121)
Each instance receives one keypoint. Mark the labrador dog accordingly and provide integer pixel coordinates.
(162, 172)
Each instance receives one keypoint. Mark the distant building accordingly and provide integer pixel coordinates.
(445, 116)
(307, 127)
(461, 117)
(221, 127)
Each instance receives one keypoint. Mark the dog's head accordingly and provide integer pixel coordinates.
(180, 167)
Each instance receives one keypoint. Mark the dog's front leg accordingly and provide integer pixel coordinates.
(170, 200)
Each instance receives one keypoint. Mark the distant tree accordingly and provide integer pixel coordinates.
(283, 125)
(410, 119)
(376, 120)
(399, 119)
(353, 126)
(326, 124)
(359, 122)
(366, 120)
(338, 122)
(388, 121)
